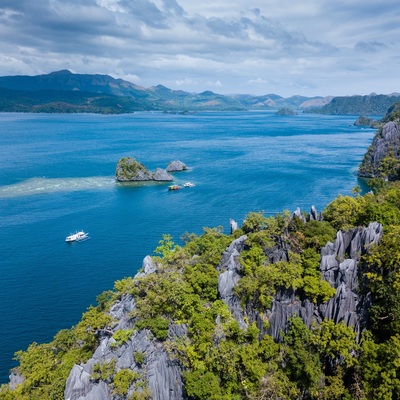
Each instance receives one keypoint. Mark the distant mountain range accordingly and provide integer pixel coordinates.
(65, 92)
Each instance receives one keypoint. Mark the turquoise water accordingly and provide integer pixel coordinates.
(57, 176)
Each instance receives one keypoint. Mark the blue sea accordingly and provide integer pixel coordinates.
(57, 176)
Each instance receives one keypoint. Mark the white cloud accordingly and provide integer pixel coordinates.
(314, 47)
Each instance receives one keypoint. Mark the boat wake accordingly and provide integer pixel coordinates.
(44, 185)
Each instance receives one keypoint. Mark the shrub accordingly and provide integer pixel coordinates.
(123, 379)
(121, 336)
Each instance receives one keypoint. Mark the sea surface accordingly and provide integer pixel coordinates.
(57, 176)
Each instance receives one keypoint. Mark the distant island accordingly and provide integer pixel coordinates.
(286, 111)
(66, 92)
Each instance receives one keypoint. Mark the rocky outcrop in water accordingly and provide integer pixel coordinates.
(386, 143)
(365, 121)
(130, 170)
(176, 166)
(286, 112)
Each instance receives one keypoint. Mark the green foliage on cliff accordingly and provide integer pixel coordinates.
(130, 169)
(220, 359)
(46, 367)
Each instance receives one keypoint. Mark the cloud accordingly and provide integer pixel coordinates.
(315, 47)
(372, 47)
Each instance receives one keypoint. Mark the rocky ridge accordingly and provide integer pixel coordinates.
(339, 265)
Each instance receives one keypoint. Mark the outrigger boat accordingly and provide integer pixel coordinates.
(79, 236)
(174, 187)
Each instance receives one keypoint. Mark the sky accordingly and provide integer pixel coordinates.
(287, 47)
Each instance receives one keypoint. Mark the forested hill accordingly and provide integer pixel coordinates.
(358, 105)
(297, 306)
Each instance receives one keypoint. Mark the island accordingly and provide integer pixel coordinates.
(287, 112)
(130, 170)
(365, 121)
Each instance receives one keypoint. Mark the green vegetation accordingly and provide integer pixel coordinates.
(357, 105)
(130, 169)
(220, 360)
(68, 101)
(121, 337)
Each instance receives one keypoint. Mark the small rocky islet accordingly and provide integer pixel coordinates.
(130, 170)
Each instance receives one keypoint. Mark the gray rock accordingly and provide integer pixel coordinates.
(386, 141)
(233, 224)
(80, 387)
(148, 267)
(339, 267)
(176, 166)
(15, 379)
(229, 277)
(162, 175)
(299, 215)
(313, 214)
(164, 376)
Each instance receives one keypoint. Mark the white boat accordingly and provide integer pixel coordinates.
(79, 236)
(189, 184)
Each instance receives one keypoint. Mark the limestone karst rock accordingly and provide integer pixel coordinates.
(385, 143)
(339, 264)
(130, 170)
(175, 166)
(162, 175)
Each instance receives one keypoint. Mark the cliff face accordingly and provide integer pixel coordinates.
(386, 143)
(163, 376)
(339, 266)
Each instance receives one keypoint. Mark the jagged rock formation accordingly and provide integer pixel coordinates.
(339, 265)
(163, 376)
(386, 143)
(229, 276)
(176, 166)
(233, 224)
(130, 170)
(162, 175)
(313, 216)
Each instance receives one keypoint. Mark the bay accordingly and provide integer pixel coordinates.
(57, 176)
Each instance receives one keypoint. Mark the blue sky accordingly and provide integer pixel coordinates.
(287, 47)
